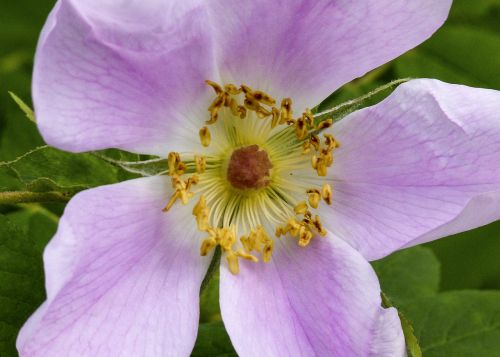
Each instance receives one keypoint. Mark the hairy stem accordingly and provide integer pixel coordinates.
(15, 197)
(350, 105)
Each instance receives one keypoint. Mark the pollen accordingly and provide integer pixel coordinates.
(261, 175)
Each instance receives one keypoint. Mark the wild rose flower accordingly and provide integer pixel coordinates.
(123, 276)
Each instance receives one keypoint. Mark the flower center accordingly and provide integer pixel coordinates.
(263, 172)
(249, 168)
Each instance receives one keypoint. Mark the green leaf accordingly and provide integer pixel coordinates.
(458, 324)
(37, 222)
(213, 341)
(408, 274)
(477, 13)
(412, 345)
(17, 135)
(469, 260)
(456, 54)
(48, 169)
(24, 107)
(21, 282)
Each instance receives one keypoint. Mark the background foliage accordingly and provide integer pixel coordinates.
(449, 289)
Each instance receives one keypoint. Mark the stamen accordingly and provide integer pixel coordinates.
(202, 213)
(201, 164)
(326, 193)
(172, 201)
(250, 183)
(175, 165)
(305, 236)
(330, 142)
(205, 136)
(325, 124)
(314, 197)
(300, 128)
(286, 110)
(301, 208)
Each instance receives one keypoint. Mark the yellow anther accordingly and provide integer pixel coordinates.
(267, 251)
(327, 157)
(246, 89)
(193, 180)
(286, 110)
(259, 241)
(330, 142)
(177, 183)
(242, 111)
(306, 147)
(207, 245)
(262, 112)
(314, 197)
(301, 208)
(237, 110)
(181, 168)
(275, 117)
(263, 98)
(233, 106)
(201, 212)
(316, 223)
(175, 165)
(201, 164)
(280, 230)
(250, 242)
(217, 88)
(173, 159)
(185, 196)
(326, 193)
(308, 117)
(315, 142)
(232, 89)
(251, 103)
(170, 203)
(205, 136)
(226, 238)
(214, 108)
(305, 236)
(247, 256)
(321, 167)
(325, 124)
(300, 129)
(247, 243)
(293, 227)
(314, 162)
(319, 164)
(233, 264)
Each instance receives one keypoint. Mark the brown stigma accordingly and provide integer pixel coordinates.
(249, 167)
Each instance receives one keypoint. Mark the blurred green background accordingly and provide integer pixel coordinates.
(465, 50)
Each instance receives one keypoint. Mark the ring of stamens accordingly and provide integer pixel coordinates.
(232, 200)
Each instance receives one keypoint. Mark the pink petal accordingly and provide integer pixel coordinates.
(323, 300)
(122, 74)
(423, 164)
(122, 277)
(306, 49)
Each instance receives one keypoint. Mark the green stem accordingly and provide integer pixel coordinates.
(15, 197)
(354, 103)
(212, 269)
